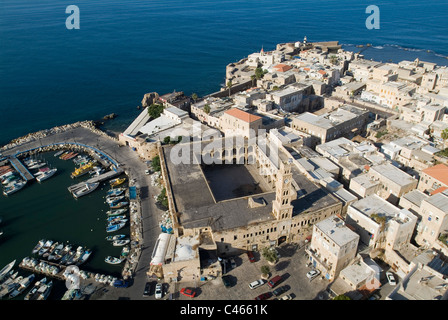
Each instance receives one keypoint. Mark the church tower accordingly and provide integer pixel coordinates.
(285, 193)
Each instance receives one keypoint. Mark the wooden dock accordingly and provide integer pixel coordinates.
(21, 169)
(58, 276)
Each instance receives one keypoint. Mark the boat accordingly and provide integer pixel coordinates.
(45, 247)
(112, 218)
(125, 252)
(63, 252)
(85, 255)
(6, 269)
(112, 260)
(116, 237)
(86, 189)
(115, 227)
(47, 174)
(14, 188)
(117, 221)
(38, 246)
(67, 256)
(9, 287)
(44, 291)
(119, 243)
(116, 182)
(49, 251)
(74, 154)
(116, 192)
(82, 170)
(118, 205)
(53, 255)
(117, 212)
(111, 200)
(57, 154)
(34, 289)
(74, 258)
(23, 285)
(37, 165)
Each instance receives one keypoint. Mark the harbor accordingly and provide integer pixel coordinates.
(53, 212)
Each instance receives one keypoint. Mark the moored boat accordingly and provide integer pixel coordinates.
(112, 260)
(23, 285)
(116, 192)
(115, 227)
(44, 291)
(119, 243)
(53, 255)
(6, 269)
(116, 237)
(116, 182)
(86, 254)
(34, 289)
(86, 189)
(46, 175)
(45, 247)
(118, 205)
(117, 212)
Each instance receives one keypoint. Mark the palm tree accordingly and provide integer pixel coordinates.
(229, 85)
(444, 136)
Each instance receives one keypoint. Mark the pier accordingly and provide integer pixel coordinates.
(58, 276)
(21, 169)
(102, 177)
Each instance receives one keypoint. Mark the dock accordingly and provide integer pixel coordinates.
(102, 177)
(21, 169)
(58, 276)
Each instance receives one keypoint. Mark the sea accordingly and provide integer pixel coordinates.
(51, 75)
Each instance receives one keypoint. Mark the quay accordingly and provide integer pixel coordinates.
(58, 276)
(105, 176)
(21, 169)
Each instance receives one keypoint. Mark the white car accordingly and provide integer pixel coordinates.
(158, 293)
(312, 274)
(256, 284)
(390, 278)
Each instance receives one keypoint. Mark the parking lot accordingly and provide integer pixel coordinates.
(291, 266)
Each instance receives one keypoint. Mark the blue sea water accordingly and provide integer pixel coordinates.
(50, 75)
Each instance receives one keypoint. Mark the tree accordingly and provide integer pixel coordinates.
(194, 96)
(444, 136)
(229, 85)
(259, 73)
(155, 163)
(167, 140)
(270, 254)
(341, 297)
(155, 110)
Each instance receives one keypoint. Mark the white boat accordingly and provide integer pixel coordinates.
(14, 188)
(37, 165)
(25, 283)
(118, 205)
(34, 289)
(119, 243)
(7, 288)
(116, 192)
(49, 251)
(63, 252)
(47, 174)
(112, 260)
(74, 258)
(117, 212)
(86, 189)
(38, 246)
(115, 218)
(45, 247)
(57, 154)
(6, 269)
(114, 199)
(44, 291)
(53, 255)
(115, 227)
(116, 237)
(84, 257)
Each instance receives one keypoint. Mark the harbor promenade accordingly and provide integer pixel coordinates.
(128, 161)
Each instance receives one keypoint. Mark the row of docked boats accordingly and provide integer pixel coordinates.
(61, 253)
(43, 171)
(11, 180)
(13, 285)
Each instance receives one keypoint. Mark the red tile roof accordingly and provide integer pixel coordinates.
(438, 172)
(282, 67)
(242, 115)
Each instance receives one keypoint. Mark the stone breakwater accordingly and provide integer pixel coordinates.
(89, 124)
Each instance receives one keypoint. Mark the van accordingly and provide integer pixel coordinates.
(274, 281)
(256, 284)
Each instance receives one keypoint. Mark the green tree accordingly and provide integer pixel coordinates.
(207, 109)
(444, 136)
(229, 85)
(155, 110)
(341, 297)
(194, 96)
(167, 140)
(155, 163)
(265, 270)
(162, 198)
(259, 73)
(269, 254)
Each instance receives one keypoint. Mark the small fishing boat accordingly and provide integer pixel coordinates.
(7, 288)
(112, 218)
(119, 243)
(67, 256)
(115, 227)
(34, 289)
(115, 199)
(45, 247)
(14, 188)
(116, 182)
(116, 237)
(117, 212)
(112, 260)
(44, 291)
(117, 221)
(86, 189)
(57, 154)
(6, 269)
(116, 192)
(63, 252)
(74, 258)
(49, 251)
(118, 205)
(86, 254)
(46, 175)
(53, 255)
(38, 246)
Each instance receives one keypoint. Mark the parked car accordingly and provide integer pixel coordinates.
(312, 274)
(226, 281)
(274, 281)
(147, 291)
(390, 278)
(264, 296)
(121, 283)
(147, 172)
(158, 292)
(286, 297)
(280, 290)
(250, 255)
(189, 292)
(256, 283)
